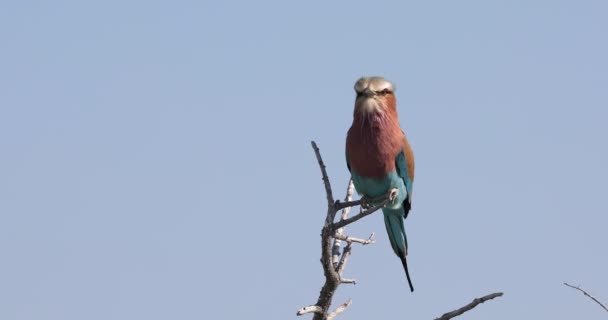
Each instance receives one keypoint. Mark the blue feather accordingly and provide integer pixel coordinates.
(395, 212)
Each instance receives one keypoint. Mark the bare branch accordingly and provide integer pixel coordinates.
(349, 196)
(334, 261)
(469, 306)
(308, 309)
(335, 250)
(345, 222)
(330, 196)
(332, 278)
(339, 309)
(345, 255)
(357, 240)
(339, 236)
(587, 294)
(346, 204)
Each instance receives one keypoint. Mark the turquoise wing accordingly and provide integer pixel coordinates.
(401, 166)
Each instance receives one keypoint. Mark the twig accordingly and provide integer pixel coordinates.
(469, 306)
(339, 236)
(349, 196)
(330, 197)
(345, 255)
(345, 222)
(308, 309)
(587, 294)
(346, 204)
(335, 249)
(339, 309)
(357, 240)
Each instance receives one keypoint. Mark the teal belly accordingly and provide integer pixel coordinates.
(377, 187)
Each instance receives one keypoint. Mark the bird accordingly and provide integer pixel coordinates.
(380, 158)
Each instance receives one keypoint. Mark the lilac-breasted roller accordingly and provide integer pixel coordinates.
(380, 158)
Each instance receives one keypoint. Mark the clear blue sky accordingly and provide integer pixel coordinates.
(155, 159)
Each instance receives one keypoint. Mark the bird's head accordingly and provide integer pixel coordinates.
(374, 95)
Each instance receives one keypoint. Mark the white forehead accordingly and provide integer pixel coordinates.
(375, 84)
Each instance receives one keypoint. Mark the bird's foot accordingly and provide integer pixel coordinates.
(392, 194)
(365, 202)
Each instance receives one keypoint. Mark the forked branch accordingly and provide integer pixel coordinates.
(334, 260)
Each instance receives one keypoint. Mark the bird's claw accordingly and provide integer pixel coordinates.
(392, 194)
(365, 202)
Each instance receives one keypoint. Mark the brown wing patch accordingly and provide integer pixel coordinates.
(409, 157)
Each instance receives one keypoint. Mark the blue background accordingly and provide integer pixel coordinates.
(156, 164)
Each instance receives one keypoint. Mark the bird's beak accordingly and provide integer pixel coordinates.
(368, 93)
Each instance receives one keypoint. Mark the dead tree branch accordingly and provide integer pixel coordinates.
(357, 240)
(333, 260)
(587, 294)
(339, 309)
(308, 309)
(345, 222)
(469, 306)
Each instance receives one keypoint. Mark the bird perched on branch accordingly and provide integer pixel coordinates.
(380, 159)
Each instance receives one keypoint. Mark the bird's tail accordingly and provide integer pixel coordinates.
(393, 220)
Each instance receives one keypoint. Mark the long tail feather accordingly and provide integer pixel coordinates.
(393, 220)
(407, 273)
